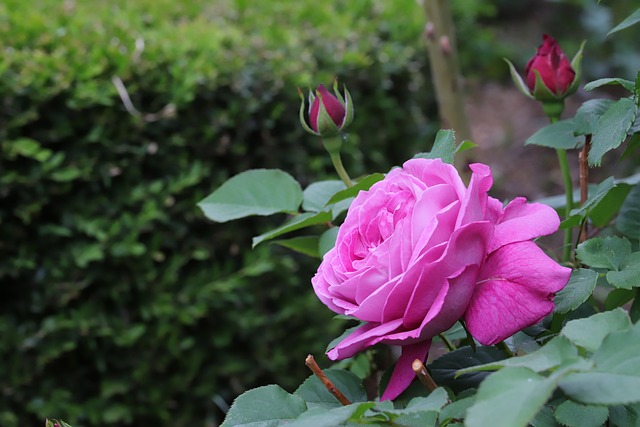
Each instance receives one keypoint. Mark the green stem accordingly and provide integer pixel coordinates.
(568, 191)
(446, 342)
(505, 349)
(342, 173)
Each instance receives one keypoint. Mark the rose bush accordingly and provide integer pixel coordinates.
(420, 251)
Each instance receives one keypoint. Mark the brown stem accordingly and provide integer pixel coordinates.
(584, 181)
(311, 364)
(445, 70)
(424, 376)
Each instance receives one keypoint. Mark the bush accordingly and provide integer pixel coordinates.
(120, 304)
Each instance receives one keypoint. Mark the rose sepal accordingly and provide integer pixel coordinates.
(303, 120)
(576, 64)
(517, 80)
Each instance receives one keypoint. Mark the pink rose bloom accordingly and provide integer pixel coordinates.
(420, 251)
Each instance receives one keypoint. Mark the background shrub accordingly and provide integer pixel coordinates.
(119, 303)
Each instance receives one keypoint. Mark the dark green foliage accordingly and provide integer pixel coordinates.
(120, 304)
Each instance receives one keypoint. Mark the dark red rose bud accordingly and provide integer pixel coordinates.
(334, 108)
(554, 68)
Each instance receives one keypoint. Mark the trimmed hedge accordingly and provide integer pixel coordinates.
(119, 303)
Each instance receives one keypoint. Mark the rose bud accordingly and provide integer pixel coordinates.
(550, 77)
(328, 115)
(551, 68)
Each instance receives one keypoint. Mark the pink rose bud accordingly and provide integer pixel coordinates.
(555, 70)
(328, 114)
(334, 108)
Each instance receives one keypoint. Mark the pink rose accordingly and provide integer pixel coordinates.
(420, 251)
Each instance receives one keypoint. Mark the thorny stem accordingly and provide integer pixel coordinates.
(423, 375)
(440, 37)
(311, 364)
(584, 181)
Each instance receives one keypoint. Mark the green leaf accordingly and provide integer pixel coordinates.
(264, 407)
(316, 394)
(604, 252)
(444, 147)
(628, 221)
(465, 145)
(605, 211)
(27, 147)
(578, 290)
(327, 240)
(627, 84)
(444, 369)
(456, 410)
(572, 414)
(316, 195)
(576, 216)
(362, 185)
(420, 411)
(254, 192)
(601, 388)
(553, 354)
(321, 417)
(589, 332)
(628, 275)
(620, 352)
(434, 402)
(509, 398)
(612, 129)
(632, 19)
(559, 135)
(296, 223)
(618, 297)
(588, 114)
(416, 419)
(625, 416)
(545, 418)
(307, 245)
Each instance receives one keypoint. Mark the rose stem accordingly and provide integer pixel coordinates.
(311, 364)
(446, 342)
(339, 167)
(505, 349)
(568, 191)
(584, 181)
(424, 376)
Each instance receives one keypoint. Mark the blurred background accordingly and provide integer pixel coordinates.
(120, 305)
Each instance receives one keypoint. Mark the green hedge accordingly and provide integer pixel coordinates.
(119, 303)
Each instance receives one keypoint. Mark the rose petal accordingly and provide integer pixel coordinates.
(403, 373)
(474, 201)
(524, 221)
(515, 290)
(365, 336)
(467, 246)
